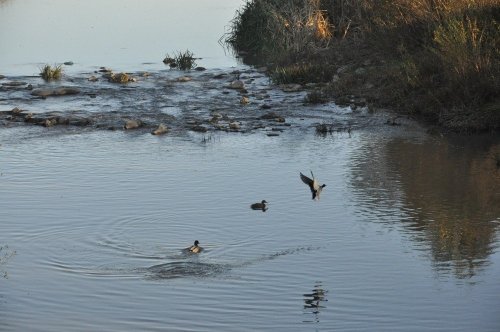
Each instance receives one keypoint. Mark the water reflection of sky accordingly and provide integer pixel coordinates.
(117, 33)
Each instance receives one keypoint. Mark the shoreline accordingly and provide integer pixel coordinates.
(407, 69)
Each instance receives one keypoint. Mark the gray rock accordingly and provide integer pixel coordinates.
(162, 129)
(132, 124)
(237, 85)
(62, 91)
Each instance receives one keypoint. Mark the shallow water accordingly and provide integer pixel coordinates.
(404, 237)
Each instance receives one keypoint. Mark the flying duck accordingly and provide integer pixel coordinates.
(313, 185)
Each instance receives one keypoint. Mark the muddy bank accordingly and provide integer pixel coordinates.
(172, 102)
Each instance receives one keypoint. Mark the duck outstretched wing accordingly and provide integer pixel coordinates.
(306, 180)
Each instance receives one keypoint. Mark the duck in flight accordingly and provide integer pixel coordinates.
(259, 206)
(313, 184)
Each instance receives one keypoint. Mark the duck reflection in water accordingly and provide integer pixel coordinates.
(259, 206)
(313, 302)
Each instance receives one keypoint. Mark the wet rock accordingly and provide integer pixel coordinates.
(219, 76)
(92, 79)
(234, 125)
(184, 79)
(168, 60)
(132, 124)
(198, 128)
(265, 106)
(290, 87)
(13, 84)
(244, 100)
(200, 69)
(120, 78)
(15, 111)
(2, 77)
(105, 70)
(236, 85)
(79, 121)
(62, 91)
(69, 63)
(215, 117)
(273, 134)
(360, 102)
(272, 116)
(49, 122)
(162, 129)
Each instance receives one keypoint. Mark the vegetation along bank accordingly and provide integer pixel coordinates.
(438, 60)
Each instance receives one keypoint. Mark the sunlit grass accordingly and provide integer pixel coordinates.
(181, 60)
(50, 73)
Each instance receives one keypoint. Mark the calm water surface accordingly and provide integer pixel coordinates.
(124, 34)
(404, 237)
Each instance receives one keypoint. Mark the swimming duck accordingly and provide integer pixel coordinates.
(259, 206)
(195, 248)
(313, 185)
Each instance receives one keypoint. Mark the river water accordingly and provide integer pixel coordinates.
(93, 221)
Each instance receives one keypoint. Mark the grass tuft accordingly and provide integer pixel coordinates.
(49, 73)
(181, 60)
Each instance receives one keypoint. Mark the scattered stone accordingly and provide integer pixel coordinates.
(236, 85)
(265, 106)
(79, 121)
(62, 91)
(49, 122)
(29, 87)
(215, 117)
(184, 79)
(13, 84)
(219, 76)
(16, 111)
(92, 79)
(262, 69)
(162, 129)
(200, 129)
(200, 69)
(69, 63)
(132, 124)
(244, 100)
(272, 116)
(290, 87)
(120, 78)
(234, 125)
(105, 70)
(273, 134)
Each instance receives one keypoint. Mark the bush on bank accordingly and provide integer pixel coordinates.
(439, 59)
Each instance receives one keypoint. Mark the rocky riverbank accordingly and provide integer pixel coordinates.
(174, 102)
